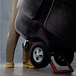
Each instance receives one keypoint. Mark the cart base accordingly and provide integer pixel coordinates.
(61, 71)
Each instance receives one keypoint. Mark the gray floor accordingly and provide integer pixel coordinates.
(20, 71)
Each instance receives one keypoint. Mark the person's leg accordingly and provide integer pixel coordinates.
(12, 37)
(26, 57)
(10, 47)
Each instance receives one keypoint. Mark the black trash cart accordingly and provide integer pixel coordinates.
(51, 27)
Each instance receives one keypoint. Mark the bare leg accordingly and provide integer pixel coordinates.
(13, 35)
(11, 44)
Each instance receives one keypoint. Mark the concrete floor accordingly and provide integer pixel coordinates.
(20, 71)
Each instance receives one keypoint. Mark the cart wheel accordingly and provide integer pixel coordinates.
(39, 55)
(25, 45)
(60, 61)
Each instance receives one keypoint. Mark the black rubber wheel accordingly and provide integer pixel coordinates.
(39, 55)
(60, 60)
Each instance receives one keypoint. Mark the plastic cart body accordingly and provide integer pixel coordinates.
(50, 24)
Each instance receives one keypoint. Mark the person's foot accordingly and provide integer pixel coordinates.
(9, 65)
(28, 65)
